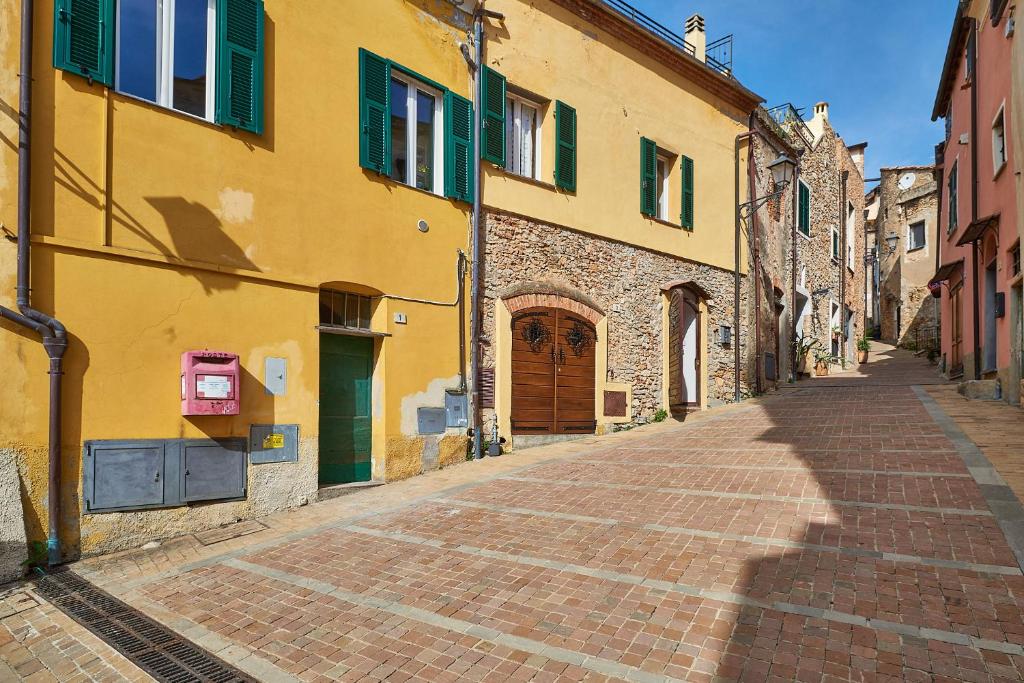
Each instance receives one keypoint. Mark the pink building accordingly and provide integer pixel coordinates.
(978, 265)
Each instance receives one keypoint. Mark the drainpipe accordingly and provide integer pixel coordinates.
(53, 334)
(842, 262)
(757, 266)
(793, 256)
(974, 202)
(736, 265)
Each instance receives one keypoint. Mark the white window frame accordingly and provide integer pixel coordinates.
(165, 58)
(851, 223)
(999, 123)
(911, 245)
(412, 85)
(514, 116)
(666, 161)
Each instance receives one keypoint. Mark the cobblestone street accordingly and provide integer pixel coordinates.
(842, 529)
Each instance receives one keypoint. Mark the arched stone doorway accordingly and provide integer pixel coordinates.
(554, 358)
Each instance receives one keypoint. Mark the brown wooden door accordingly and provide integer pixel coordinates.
(684, 351)
(553, 363)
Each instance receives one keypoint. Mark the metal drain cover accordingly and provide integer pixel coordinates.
(151, 646)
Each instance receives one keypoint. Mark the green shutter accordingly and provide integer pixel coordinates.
(648, 177)
(374, 112)
(83, 38)
(804, 217)
(240, 64)
(565, 146)
(492, 147)
(686, 215)
(458, 147)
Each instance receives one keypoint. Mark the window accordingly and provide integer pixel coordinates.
(166, 53)
(804, 213)
(1015, 264)
(522, 137)
(835, 244)
(415, 134)
(345, 309)
(663, 165)
(851, 227)
(180, 54)
(949, 119)
(686, 215)
(952, 198)
(565, 146)
(916, 236)
(998, 142)
(970, 56)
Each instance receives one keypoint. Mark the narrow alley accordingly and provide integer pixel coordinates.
(841, 529)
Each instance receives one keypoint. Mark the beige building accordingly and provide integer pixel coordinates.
(906, 233)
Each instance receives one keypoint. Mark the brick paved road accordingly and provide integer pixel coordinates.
(830, 532)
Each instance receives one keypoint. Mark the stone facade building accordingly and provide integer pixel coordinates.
(608, 267)
(823, 296)
(907, 234)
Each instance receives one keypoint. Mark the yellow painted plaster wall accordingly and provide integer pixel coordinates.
(620, 95)
(155, 233)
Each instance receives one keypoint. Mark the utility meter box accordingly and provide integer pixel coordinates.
(209, 383)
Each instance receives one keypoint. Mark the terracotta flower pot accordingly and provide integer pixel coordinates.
(821, 368)
(862, 356)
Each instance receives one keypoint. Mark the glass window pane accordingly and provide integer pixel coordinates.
(399, 130)
(510, 136)
(326, 307)
(364, 312)
(527, 131)
(661, 188)
(424, 141)
(352, 310)
(136, 67)
(190, 56)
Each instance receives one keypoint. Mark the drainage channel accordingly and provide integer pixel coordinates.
(154, 648)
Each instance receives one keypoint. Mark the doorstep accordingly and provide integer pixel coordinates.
(338, 490)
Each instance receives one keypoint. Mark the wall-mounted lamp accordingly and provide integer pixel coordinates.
(891, 240)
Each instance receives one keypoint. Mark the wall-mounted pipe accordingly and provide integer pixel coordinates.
(53, 333)
(474, 304)
(736, 338)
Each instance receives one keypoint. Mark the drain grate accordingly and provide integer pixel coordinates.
(154, 648)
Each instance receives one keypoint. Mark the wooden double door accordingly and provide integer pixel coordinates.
(553, 364)
(684, 355)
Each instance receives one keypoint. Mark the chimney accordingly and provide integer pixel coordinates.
(696, 37)
(821, 109)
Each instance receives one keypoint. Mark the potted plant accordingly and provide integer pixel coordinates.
(822, 359)
(805, 345)
(863, 346)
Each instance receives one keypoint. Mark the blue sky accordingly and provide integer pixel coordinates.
(876, 62)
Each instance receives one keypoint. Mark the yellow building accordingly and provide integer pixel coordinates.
(609, 200)
(227, 178)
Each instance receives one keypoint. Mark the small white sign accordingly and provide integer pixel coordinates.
(213, 386)
(400, 318)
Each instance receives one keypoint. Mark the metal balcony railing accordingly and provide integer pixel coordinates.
(718, 54)
(790, 120)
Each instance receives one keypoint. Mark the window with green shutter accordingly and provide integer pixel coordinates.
(240, 64)
(163, 53)
(492, 147)
(686, 215)
(804, 208)
(83, 38)
(374, 112)
(648, 177)
(458, 166)
(565, 146)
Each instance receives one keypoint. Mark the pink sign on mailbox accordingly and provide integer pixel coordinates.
(209, 383)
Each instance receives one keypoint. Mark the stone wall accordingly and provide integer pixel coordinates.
(904, 274)
(625, 282)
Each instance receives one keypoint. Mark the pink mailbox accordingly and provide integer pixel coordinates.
(209, 383)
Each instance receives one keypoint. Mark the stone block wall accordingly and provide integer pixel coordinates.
(622, 280)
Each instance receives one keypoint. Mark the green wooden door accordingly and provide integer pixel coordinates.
(346, 367)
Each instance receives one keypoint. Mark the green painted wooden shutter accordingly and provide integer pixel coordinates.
(648, 177)
(458, 147)
(686, 215)
(804, 210)
(565, 146)
(83, 38)
(374, 112)
(493, 145)
(240, 64)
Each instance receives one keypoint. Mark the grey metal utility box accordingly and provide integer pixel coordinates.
(273, 443)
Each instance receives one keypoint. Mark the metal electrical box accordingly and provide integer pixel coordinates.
(430, 420)
(209, 383)
(456, 409)
(273, 443)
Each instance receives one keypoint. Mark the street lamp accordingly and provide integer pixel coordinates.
(891, 240)
(782, 170)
